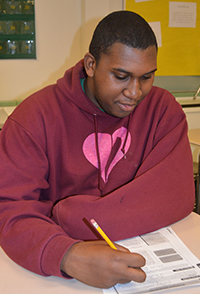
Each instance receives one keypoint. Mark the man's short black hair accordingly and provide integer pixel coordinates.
(125, 27)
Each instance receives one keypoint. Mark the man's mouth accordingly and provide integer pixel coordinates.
(127, 107)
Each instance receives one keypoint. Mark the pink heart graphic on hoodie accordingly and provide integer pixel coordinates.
(106, 143)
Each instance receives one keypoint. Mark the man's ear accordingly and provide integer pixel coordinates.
(89, 64)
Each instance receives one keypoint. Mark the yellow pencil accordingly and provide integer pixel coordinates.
(97, 227)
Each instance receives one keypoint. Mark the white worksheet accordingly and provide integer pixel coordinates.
(169, 263)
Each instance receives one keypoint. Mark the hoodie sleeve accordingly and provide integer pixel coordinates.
(27, 233)
(161, 193)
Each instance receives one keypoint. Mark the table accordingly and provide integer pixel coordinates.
(17, 280)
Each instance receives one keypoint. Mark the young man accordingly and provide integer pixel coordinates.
(102, 143)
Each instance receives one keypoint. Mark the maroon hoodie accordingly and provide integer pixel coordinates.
(64, 162)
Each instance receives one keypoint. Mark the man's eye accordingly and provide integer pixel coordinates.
(121, 78)
(145, 77)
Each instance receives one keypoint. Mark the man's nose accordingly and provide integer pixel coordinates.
(133, 91)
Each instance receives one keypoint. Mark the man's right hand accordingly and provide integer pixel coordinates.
(96, 264)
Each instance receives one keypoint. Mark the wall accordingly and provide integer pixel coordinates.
(63, 31)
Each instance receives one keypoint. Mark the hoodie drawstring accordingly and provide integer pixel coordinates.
(98, 154)
(124, 145)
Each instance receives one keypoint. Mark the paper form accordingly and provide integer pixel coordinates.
(182, 14)
(169, 263)
(156, 27)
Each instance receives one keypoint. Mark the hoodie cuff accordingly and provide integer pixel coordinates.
(53, 254)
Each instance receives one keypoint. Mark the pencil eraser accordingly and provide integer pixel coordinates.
(92, 221)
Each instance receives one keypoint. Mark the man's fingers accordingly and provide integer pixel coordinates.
(137, 260)
(134, 260)
(131, 274)
(131, 267)
(121, 248)
(137, 274)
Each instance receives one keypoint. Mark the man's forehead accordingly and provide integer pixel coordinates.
(125, 58)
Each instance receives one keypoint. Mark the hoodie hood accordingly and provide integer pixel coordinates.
(74, 92)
